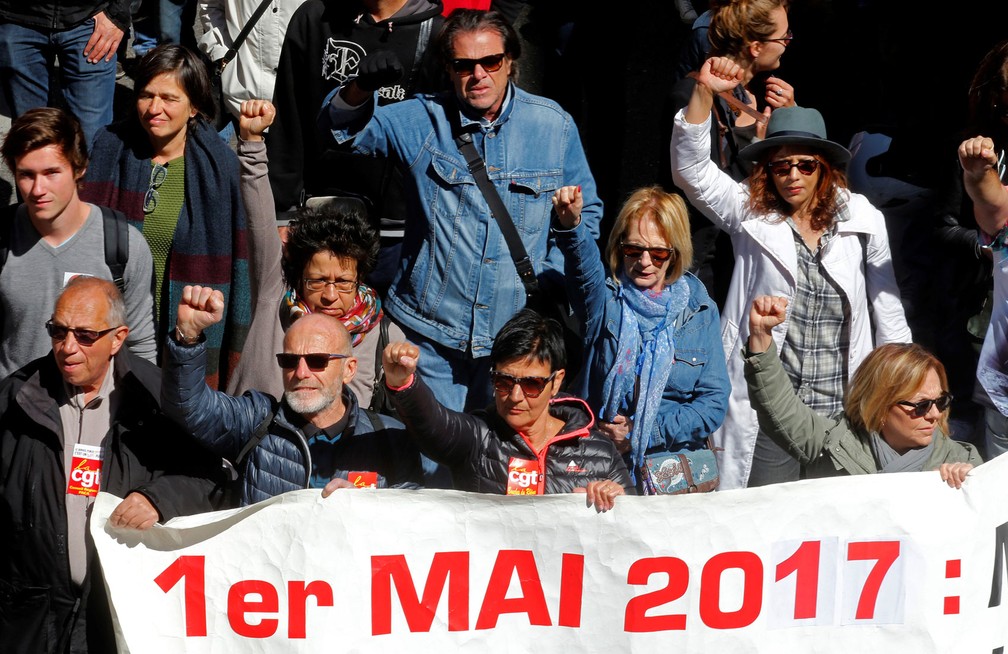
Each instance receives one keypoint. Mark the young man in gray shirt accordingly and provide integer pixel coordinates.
(54, 237)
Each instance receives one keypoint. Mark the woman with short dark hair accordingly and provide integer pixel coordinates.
(531, 440)
(166, 168)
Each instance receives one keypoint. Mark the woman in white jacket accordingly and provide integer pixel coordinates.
(797, 232)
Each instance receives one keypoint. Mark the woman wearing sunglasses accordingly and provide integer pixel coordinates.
(530, 441)
(166, 168)
(654, 371)
(895, 416)
(797, 232)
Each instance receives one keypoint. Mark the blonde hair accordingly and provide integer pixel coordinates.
(889, 374)
(668, 211)
(736, 23)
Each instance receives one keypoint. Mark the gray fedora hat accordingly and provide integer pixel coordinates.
(797, 126)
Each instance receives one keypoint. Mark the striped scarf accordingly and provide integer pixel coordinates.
(209, 247)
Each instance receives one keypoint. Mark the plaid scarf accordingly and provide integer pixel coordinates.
(209, 247)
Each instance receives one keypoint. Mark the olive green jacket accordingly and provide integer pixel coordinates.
(827, 447)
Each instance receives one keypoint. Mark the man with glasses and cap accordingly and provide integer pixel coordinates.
(457, 283)
(54, 236)
(317, 436)
(83, 418)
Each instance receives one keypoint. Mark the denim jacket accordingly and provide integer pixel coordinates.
(456, 283)
(696, 394)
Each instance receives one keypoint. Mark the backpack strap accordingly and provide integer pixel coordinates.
(116, 231)
(6, 231)
(377, 424)
(257, 436)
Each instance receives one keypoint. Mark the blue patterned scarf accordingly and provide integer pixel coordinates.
(646, 352)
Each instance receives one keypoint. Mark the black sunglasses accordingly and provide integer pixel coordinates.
(805, 167)
(490, 63)
(658, 255)
(532, 387)
(315, 361)
(83, 336)
(920, 409)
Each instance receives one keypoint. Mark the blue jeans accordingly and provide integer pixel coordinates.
(26, 57)
(170, 15)
(996, 434)
(459, 382)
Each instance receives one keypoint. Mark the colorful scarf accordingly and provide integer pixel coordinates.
(209, 248)
(644, 358)
(359, 320)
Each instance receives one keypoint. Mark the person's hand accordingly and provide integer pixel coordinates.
(767, 312)
(104, 39)
(719, 74)
(977, 156)
(617, 431)
(335, 484)
(602, 494)
(378, 69)
(568, 202)
(134, 512)
(954, 474)
(400, 362)
(256, 116)
(779, 93)
(199, 308)
(761, 125)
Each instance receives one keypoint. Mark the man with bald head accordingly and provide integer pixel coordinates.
(83, 418)
(316, 437)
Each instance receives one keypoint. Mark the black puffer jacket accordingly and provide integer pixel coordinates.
(60, 15)
(40, 607)
(479, 447)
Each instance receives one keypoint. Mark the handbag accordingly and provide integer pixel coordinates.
(680, 472)
(217, 68)
(553, 306)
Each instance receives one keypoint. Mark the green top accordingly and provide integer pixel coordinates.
(161, 216)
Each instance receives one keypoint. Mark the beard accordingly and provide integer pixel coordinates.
(310, 403)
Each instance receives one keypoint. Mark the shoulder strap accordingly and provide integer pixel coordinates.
(116, 245)
(6, 232)
(257, 436)
(423, 38)
(464, 142)
(377, 424)
(243, 34)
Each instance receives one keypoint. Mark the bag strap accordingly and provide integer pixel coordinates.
(257, 436)
(423, 38)
(243, 34)
(383, 340)
(464, 142)
(377, 424)
(6, 232)
(116, 232)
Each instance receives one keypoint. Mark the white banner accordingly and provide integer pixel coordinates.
(896, 561)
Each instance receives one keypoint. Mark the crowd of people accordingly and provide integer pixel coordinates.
(364, 255)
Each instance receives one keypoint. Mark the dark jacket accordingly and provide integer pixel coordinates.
(57, 15)
(479, 447)
(323, 47)
(282, 461)
(144, 452)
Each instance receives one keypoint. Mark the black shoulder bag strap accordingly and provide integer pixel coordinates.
(243, 34)
(256, 438)
(464, 142)
(116, 232)
(423, 38)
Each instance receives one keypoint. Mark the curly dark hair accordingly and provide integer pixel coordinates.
(764, 198)
(342, 231)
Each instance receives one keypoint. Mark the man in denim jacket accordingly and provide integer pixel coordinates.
(456, 284)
